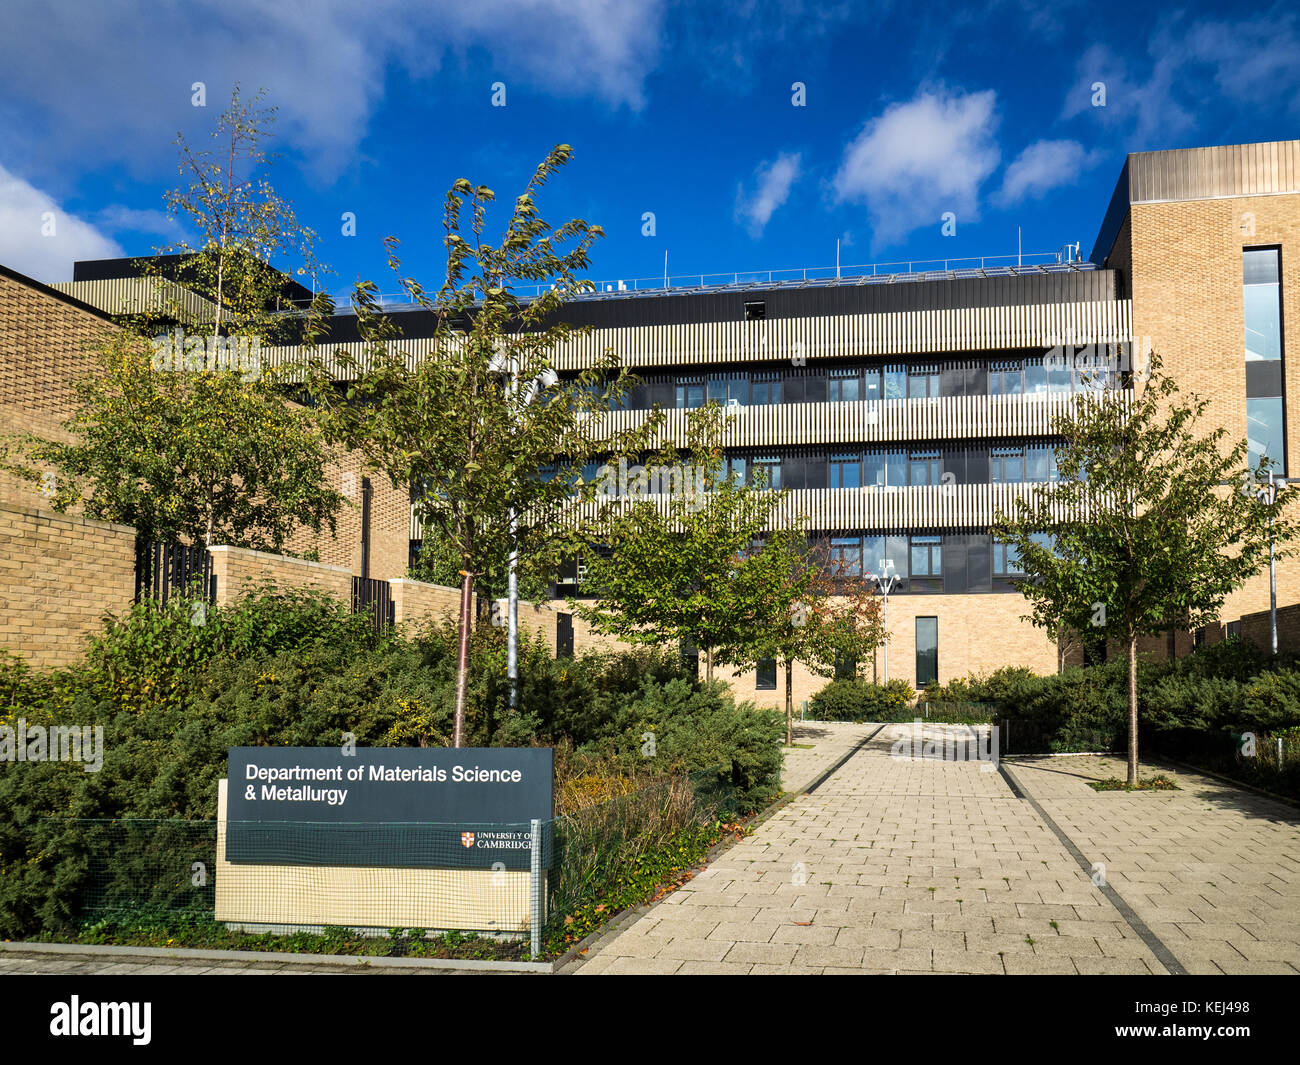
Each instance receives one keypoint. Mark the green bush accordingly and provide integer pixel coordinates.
(856, 700)
(297, 669)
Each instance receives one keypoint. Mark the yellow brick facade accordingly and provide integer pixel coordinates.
(1182, 262)
(59, 574)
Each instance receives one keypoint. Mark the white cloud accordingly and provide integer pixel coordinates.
(1193, 68)
(1043, 166)
(114, 77)
(40, 239)
(919, 159)
(775, 179)
(119, 219)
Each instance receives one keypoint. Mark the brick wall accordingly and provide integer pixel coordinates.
(58, 576)
(46, 344)
(1257, 628)
(238, 569)
(416, 604)
(1184, 266)
(390, 523)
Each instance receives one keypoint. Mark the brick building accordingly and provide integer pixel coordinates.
(899, 410)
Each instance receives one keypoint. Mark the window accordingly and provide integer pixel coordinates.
(1265, 407)
(1040, 463)
(766, 469)
(927, 651)
(690, 393)
(871, 384)
(1059, 371)
(766, 679)
(766, 390)
(1007, 465)
(1233, 630)
(1263, 304)
(895, 382)
(885, 556)
(1006, 560)
(845, 668)
(1035, 377)
(755, 312)
(845, 386)
(1264, 437)
(846, 470)
(927, 556)
(923, 382)
(1006, 379)
(726, 389)
(846, 556)
(923, 467)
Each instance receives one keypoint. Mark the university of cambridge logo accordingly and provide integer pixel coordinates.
(467, 839)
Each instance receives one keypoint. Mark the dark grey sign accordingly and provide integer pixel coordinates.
(467, 807)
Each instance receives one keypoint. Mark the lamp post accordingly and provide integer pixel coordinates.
(547, 379)
(886, 583)
(1267, 494)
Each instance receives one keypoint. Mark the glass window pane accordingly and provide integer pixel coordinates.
(738, 389)
(873, 468)
(766, 675)
(1058, 375)
(896, 468)
(896, 556)
(871, 384)
(895, 382)
(1036, 463)
(920, 560)
(873, 554)
(927, 651)
(1263, 312)
(1035, 376)
(718, 388)
(1264, 431)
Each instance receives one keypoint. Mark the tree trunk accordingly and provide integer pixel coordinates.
(789, 704)
(1132, 711)
(462, 658)
(708, 665)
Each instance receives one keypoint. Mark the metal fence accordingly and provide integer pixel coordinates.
(164, 570)
(374, 597)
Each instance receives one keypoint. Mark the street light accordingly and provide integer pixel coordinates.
(1267, 494)
(886, 583)
(547, 379)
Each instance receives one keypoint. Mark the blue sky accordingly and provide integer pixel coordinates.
(678, 109)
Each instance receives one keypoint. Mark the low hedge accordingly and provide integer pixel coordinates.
(856, 700)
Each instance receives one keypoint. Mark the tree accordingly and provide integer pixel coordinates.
(1148, 531)
(470, 427)
(202, 456)
(809, 615)
(683, 559)
(242, 224)
(438, 562)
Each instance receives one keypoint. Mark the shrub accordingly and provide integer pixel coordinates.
(855, 700)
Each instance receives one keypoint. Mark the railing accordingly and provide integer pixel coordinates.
(855, 273)
(374, 597)
(164, 570)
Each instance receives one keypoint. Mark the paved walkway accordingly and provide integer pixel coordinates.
(897, 865)
(1213, 870)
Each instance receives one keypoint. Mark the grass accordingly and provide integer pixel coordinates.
(1159, 782)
